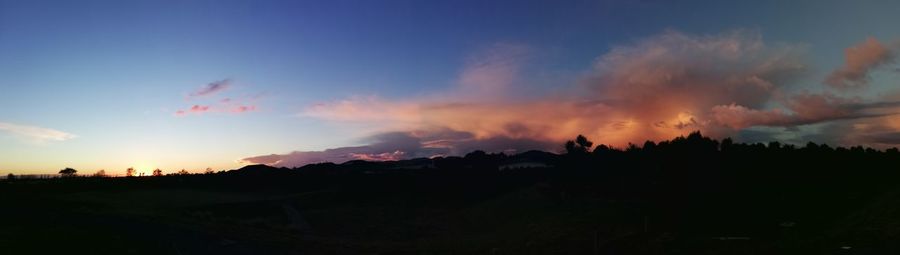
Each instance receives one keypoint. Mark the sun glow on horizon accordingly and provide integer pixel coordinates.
(143, 167)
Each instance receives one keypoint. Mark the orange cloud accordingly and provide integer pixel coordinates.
(657, 88)
(859, 61)
(652, 89)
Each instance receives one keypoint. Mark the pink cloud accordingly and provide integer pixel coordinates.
(243, 108)
(860, 60)
(740, 117)
(223, 105)
(199, 108)
(196, 109)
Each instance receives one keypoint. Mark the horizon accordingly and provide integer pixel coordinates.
(223, 84)
(148, 172)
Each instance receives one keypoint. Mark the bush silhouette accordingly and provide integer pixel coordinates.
(68, 172)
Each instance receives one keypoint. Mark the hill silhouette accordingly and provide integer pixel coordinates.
(688, 195)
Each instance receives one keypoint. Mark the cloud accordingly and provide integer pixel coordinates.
(386, 146)
(740, 117)
(365, 109)
(878, 131)
(199, 108)
(223, 105)
(888, 137)
(859, 61)
(243, 108)
(805, 108)
(196, 109)
(212, 88)
(655, 88)
(34, 133)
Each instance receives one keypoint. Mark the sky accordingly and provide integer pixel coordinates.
(194, 84)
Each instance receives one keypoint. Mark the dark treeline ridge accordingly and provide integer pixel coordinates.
(689, 195)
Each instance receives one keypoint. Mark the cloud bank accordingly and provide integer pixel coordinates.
(651, 89)
(401, 145)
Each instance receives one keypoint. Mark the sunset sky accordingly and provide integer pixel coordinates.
(193, 84)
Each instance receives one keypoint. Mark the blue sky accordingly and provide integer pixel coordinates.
(113, 74)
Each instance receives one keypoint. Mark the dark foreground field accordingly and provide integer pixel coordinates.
(639, 201)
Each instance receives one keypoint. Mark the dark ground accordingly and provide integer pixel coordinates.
(685, 197)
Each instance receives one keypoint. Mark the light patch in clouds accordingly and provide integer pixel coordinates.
(34, 133)
(859, 61)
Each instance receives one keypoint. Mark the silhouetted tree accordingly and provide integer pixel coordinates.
(130, 172)
(183, 172)
(581, 145)
(727, 143)
(601, 149)
(68, 172)
(209, 170)
(157, 172)
(649, 146)
(10, 177)
(101, 173)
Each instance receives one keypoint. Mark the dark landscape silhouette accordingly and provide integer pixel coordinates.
(689, 195)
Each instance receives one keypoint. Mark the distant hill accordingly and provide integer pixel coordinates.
(474, 160)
